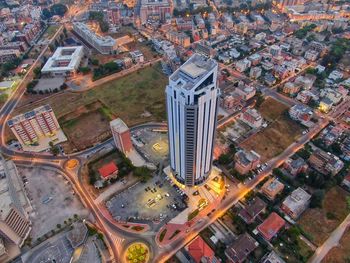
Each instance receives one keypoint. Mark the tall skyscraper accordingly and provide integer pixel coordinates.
(192, 96)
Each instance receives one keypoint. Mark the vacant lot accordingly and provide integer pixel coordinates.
(136, 98)
(271, 109)
(340, 253)
(77, 126)
(280, 133)
(319, 223)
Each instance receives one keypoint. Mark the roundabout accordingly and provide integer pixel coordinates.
(137, 252)
(71, 164)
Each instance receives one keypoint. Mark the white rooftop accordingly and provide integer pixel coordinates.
(64, 59)
(118, 125)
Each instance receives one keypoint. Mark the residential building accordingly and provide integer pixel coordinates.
(252, 210)
(15, 207)
(272, 188)
(346, 181)
(272, 257)
(104, 45)
(251, 117)
(179, 38)
(311, 55)
(291, 88)
(325, 162)
(255, 72)
(301, 113)
(242, 65)
(241, 248)
(150, 10)
(295, 166)
(108, 171)
(191, 96)
(271, 226)
(121, 136)
(8, 55)
(275, 50)
(296, 203)
(137, 56)
(201, 252)
(333, 95)
(65, 61)
(246, 161)
(304, 96)
(30, 126)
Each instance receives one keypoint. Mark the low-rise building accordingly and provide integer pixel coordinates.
(301, 113)
(242, 65)
(346, 181)
(8, 55)
(179, 38)
(246, 161)
(200, 251)
(272, 188)
(251, 117)
(252, 210)
(272, 257)
(137, 56)
(65, 61)
(295, 166)
(325, 162)
(291, 88)
(108, 171)
(241, 248)
(296, 203)
(271, 226)
(311, 55)
(255, 72)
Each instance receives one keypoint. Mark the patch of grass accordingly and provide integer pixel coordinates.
(320, 223)
(340, 253)
(193, 214)
(137, 228)
(162, 235)
(272, 109)
(51, 31)
(177, 231)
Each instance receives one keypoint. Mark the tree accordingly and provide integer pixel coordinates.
(58, 226)
(104, 26)
(84, 70)
(58, 9)
(37, 72)
(46, 14)
(224, 159)
(54, 149)
(317, 198)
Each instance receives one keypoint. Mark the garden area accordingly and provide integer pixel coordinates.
(137, 253)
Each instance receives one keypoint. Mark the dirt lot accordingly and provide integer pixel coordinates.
(271, 109)
(274, 139)
(317, 224)
(53, 201)
(341, 253)
(77, 126)
(131, 98)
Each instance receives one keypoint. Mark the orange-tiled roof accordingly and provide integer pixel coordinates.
(270, 227)
(199, 249)
(108, 169)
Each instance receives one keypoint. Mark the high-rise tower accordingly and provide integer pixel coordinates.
(192, 96)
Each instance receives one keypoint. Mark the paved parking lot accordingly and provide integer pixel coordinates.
(52, 198)
(153, 200)
(153, 145)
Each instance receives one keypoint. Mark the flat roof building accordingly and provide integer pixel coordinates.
(104, 45)
(296, 203)
(65, 60)
(272, 188)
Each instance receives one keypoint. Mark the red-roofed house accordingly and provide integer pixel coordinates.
(201, 252)
(271, 226)
(108, 171)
